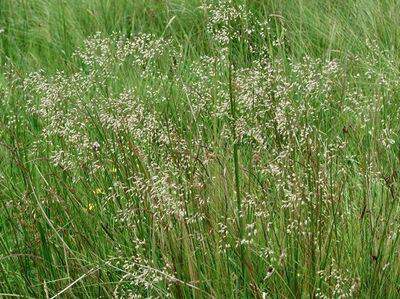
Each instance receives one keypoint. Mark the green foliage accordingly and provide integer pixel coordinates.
(199, 148)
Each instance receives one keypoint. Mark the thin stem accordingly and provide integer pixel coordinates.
(236, 165)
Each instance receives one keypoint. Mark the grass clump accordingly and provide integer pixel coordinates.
(185, 149)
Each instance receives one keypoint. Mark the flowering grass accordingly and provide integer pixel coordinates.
(205, 149)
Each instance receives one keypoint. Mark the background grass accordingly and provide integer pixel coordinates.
(61, 234)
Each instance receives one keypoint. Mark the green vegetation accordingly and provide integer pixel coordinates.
(206, 149)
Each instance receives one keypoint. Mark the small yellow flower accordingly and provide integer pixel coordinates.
(90, 207)
(98, 191)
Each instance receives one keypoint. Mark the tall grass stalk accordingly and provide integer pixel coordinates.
(199, 149)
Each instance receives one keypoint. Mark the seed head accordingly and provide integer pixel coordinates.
(96, 146)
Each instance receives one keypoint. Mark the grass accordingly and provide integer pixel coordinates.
(199, 149)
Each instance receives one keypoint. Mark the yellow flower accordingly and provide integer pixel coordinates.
(98, 191)
(90, 207)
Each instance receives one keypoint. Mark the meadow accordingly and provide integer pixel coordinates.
(199, 149)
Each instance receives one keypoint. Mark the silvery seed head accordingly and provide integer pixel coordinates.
(96, 146)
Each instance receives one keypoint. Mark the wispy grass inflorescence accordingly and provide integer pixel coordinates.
(248, 163)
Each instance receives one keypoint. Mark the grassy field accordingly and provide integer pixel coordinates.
(199, 149)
